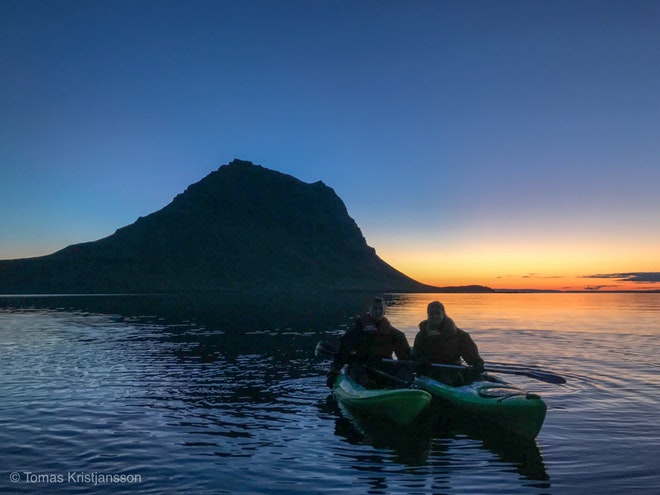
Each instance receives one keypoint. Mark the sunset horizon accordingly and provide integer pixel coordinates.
(505, 144)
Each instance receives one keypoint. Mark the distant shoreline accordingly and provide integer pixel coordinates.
(265, 291)
(542, 291)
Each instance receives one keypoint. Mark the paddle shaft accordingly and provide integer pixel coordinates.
(544, 376)
(327, 350)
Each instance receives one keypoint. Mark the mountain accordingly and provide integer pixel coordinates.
(243, 227)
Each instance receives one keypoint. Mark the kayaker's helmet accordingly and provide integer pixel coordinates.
(436, 312)
(377, 310)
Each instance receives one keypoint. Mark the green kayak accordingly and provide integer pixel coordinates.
(400, 405)
(493, 402)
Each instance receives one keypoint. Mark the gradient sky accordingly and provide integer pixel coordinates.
(505, 143)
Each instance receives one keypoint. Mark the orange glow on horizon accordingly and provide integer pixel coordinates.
(541, 282)
(554, 268)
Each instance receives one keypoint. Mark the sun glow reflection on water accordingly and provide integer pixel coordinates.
(635, 313)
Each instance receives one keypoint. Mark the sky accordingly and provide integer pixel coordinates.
(512, 144)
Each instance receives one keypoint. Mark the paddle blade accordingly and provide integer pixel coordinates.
(324, 350)
(543, 376)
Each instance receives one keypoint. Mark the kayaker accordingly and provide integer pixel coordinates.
(371, 339)
(440, 341)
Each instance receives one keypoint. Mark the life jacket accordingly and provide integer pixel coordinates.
(370, 338)
(379, 338)
(446, 346)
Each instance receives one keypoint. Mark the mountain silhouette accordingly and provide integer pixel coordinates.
(243, 227)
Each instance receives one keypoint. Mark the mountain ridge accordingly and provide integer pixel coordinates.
(242, 227)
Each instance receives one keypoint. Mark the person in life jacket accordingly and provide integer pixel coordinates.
(371, 339)
(440, 341)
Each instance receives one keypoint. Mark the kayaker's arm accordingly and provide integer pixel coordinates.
(337, 364)
(478, 366)
(347, 344)
(419, 349)
(470, 353)
(401, 346)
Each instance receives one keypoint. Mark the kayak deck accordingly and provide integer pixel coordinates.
(499, 403)
(401, 405)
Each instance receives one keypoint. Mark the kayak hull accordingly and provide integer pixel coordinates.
(399, 405)
(495, 403)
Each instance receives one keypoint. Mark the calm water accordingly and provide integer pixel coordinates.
(222, 394)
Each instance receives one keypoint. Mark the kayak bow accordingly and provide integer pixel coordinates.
(493, 402)
(400, 405)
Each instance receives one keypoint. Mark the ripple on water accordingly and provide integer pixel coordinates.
(199, 408)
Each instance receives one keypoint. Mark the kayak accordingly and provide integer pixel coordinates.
(400, 405)
(492, 402)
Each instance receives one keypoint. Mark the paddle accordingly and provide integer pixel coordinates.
(511, 369)
(326, 350)
(544, 376)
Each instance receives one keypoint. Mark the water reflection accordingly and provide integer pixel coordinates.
(194, 391)
(636, 313)
(221, 384)
(236, 312)
(440, 440)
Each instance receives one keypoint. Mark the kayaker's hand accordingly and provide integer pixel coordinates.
(331, 378)
(478, 367)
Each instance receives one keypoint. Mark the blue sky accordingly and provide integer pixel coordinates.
(503, 143)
